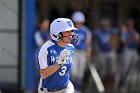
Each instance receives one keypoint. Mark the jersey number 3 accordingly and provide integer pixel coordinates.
(63, 71)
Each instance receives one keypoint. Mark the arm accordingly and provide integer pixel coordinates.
(38, 39)
(49, 70)
(136, 37)
(89, 47)
(114, 41)
(89, 44)
(124, 38)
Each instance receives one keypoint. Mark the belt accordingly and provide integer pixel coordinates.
(53, 90)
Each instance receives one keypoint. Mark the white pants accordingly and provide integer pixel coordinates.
(68, 89)
(79, 65)
(104, 58)
(129, 58)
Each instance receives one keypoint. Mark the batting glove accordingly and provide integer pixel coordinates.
(62, 57)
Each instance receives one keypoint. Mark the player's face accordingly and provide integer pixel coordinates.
(67, 36)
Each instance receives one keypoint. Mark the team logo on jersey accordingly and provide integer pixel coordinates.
(53, 52)
(68, 60)
(53, 56)
(52, 59)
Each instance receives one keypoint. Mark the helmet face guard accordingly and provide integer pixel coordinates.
(75, 38)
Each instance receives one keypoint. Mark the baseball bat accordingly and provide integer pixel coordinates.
(96, 77)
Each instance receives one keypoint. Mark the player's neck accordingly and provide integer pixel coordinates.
(61, 44)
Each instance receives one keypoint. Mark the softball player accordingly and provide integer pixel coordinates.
(130, 39)
(106, 44)
(55, 58)
(83, 50)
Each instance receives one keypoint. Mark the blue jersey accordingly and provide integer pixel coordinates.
(88, 36)
(81, 44)
(48, 56)
(103, 38)
(88, 32)
(129, 36)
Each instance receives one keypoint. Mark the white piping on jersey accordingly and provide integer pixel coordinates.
(43, 54)
(70, 45)
(40, 84)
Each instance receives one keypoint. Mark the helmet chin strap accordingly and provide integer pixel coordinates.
(62, 38)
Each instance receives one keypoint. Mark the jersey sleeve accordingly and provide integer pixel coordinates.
(42, 57)
(38, 39)
(70, 48)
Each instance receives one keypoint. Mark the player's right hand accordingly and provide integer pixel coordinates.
(62, 56)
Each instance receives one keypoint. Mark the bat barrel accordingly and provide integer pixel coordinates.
(96, 78)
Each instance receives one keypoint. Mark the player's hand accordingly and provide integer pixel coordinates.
(62, 56)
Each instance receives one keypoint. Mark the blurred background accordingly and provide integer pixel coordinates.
(112, 40)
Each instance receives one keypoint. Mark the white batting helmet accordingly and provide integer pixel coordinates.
(60, 25)
(78, 16)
